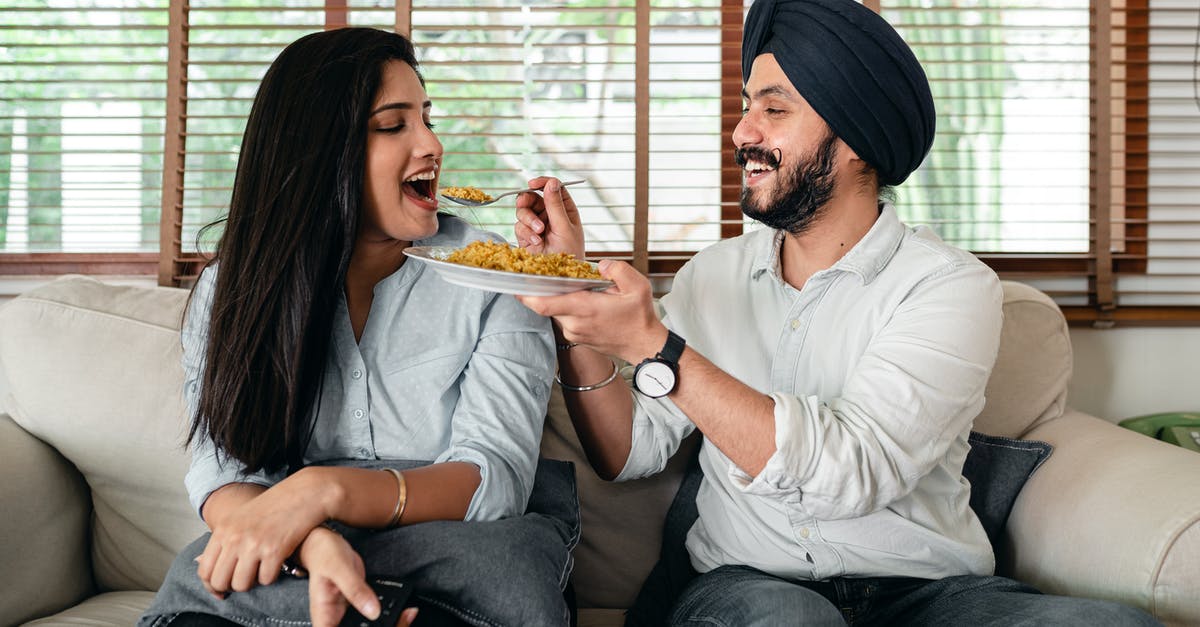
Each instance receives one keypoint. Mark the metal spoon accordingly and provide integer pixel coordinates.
(483, 203)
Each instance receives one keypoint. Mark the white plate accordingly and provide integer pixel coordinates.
(499, 280)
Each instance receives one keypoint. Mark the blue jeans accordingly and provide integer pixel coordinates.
(740, 596)
(496, 573)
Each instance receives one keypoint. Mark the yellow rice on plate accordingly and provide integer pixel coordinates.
(502, 256)
(466, 193)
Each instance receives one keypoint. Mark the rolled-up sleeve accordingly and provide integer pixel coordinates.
(658, 425)
(210, 469)
(497, 422)
(917, 387)
(658, 429)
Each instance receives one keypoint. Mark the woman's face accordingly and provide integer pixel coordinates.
(403, 159)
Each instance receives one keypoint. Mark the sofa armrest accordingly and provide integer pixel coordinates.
(1111, 514)
(46, 509)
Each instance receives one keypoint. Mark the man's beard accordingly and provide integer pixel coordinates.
(805, 189)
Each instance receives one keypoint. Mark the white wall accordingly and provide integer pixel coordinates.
(1126, 372)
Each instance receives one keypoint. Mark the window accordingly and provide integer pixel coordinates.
(622, 94)
(1066, 154)
(1068, 127)
(81, 134)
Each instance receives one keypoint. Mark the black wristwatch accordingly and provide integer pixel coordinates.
(657, 376)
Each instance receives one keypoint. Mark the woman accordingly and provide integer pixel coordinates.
(338, 391)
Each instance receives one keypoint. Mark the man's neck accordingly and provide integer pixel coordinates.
(842, 224)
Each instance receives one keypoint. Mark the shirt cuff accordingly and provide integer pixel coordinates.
(208, 474)
(792, 461)
(498, 495)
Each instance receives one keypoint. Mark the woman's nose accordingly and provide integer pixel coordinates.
(429, 146)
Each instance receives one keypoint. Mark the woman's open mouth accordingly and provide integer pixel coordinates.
(420, 186)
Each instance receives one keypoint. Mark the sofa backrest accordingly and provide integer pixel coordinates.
(94, 371)
(1028, 385)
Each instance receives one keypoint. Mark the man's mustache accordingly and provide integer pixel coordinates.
(771, 158)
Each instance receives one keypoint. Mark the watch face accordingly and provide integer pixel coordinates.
(654, 378)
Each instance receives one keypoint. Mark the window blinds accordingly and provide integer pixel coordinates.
(82, 96)
(1171, 175)
(1066, 157)
(623, 94)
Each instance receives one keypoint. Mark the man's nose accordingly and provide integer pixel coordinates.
(746, 132)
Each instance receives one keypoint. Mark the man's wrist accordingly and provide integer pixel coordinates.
(648, 347)
(657, 375)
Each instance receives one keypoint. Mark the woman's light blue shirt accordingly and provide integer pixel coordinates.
(441, 373)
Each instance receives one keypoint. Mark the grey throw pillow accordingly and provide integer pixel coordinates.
(998, 468)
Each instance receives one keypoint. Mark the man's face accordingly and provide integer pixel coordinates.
(790, 157)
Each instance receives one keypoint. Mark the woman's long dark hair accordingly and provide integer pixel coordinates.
(287, 242)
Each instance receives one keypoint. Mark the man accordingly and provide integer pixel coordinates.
(833, 362)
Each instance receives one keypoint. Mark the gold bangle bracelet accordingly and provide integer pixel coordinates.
(401, 497)
(586, 388)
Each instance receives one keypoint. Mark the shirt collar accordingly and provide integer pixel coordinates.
(867, 258)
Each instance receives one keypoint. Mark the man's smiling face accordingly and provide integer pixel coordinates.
(790, 157)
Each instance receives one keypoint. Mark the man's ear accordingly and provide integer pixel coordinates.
(865, 176)
(846, 154)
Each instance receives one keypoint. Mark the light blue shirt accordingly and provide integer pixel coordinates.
(442, 373)
(877, 368)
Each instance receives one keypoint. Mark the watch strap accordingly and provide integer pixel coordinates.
(672, 350)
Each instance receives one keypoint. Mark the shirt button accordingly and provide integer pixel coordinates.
(364, 452)
(804, 532)
(356, 374)
(358, 413)
(795, 324)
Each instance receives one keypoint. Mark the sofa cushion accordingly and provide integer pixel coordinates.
(75, 353)
(1028, 385)
(43, 533)
(998, 468)
(112, 609)
(622, 522)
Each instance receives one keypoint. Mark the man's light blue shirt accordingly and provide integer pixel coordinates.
(877, 368)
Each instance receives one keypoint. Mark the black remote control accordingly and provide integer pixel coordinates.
(392, 597)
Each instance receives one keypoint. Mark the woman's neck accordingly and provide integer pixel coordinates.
(370, 263)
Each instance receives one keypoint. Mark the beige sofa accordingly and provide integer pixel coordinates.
(92, 506)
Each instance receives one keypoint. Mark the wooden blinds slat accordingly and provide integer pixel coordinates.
(641, 159)
(175, 143)
(1102, 155)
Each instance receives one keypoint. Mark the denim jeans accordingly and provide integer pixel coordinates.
(740, 596)
(496, 573)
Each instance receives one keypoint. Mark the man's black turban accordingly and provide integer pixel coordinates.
(855, 71)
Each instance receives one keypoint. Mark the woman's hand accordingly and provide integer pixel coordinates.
(254, 531)
(336, 577)
(548, 223)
